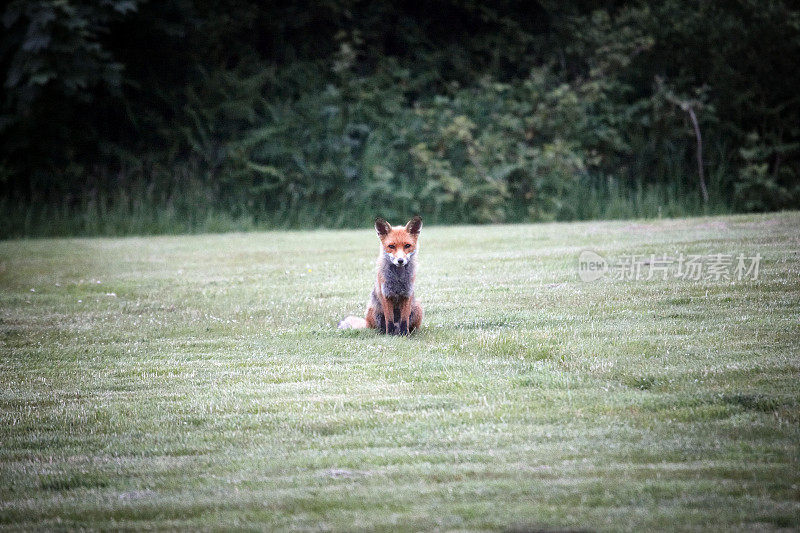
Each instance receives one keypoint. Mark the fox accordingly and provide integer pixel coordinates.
(393, 308)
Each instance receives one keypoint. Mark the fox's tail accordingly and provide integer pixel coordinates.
(353, 322)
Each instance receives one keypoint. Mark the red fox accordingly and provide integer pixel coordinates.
(392, 307)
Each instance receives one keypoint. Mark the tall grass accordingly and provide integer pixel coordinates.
(124, 213)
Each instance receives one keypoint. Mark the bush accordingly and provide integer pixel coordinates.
(130, 117)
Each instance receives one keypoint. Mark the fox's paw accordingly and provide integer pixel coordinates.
(402, 328)
(390, 328)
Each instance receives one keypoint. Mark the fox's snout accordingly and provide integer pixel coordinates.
(400, 258)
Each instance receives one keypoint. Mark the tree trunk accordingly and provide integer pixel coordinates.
(700, 172)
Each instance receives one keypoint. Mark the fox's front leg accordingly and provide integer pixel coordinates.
(405, 315)
(388, 314)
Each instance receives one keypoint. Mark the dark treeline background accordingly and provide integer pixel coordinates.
(130, 116)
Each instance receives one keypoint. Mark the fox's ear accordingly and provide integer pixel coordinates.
(382, 227)
(414, 225)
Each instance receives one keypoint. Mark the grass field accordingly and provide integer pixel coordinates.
(199, 382)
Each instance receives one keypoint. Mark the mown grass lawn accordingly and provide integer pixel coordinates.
(199, 382)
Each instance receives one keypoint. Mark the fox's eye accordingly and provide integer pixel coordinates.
(391, 246)
(407, 246)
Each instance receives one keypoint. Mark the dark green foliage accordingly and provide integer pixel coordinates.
(124, 116)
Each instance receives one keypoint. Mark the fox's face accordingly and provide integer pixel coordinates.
(399, 243)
